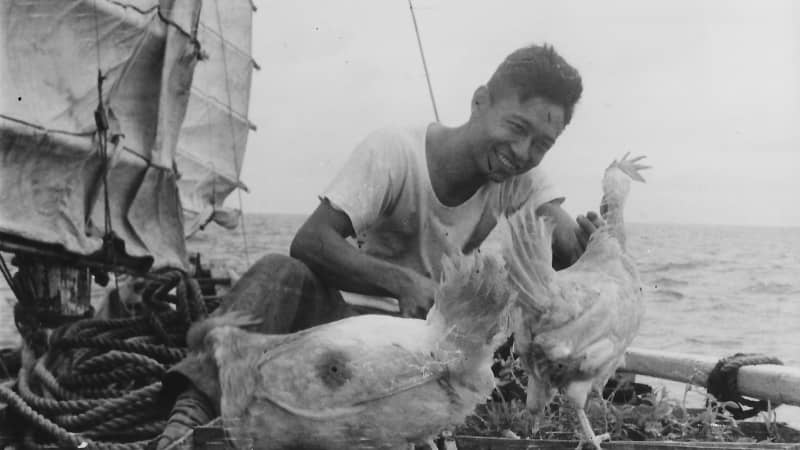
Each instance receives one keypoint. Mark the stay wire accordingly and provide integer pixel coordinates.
(424, 64)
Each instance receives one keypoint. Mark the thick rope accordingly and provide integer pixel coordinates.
(76, 379)
(133, 433)
(123, 413)
(723, 383)
(43, 423)
(114, 358)
(98, 384)
(159, 352)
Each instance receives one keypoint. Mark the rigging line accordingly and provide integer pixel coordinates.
(233, 139)
(102, 126)
(193, 39)
(9, 278)
(46, 130)
(97, 34)
(101, 121)
(424, 64)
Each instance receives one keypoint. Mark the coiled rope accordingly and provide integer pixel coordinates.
(97, 384)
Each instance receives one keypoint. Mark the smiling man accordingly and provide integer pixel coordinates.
(408, 196)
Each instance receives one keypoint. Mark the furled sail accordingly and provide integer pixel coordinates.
(52, 169)
(214, 135)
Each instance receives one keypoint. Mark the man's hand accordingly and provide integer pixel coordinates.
(570, 237)
(587, 225)
(417, 298)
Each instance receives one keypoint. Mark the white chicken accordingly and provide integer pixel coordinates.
(373, 381)
(573, 326)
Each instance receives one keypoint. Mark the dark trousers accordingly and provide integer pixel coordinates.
(287, 296)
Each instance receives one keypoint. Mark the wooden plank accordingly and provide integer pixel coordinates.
(761, 432)
(210, 436)
(779, 384)
(487, 443)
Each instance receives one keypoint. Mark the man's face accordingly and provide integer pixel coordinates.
(517, 135)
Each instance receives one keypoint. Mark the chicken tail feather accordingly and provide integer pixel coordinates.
(473, 295)
(196, 336)
(529, 256)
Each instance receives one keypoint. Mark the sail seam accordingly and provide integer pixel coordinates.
(141, 11)
(226, 42)
(47, 130)
(212, 168)
(87, 134)
(222, 106)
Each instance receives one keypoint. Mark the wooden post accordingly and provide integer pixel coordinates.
(778, 384)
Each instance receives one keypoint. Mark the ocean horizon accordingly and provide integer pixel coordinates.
(301, 216)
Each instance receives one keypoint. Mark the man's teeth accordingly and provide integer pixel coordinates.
(505, 161)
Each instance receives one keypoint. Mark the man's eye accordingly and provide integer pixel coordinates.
(544, 144)
(517, 128)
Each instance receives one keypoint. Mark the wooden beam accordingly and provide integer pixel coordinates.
(490, 443)
(779, 384)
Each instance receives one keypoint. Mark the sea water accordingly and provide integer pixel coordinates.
(709, 290)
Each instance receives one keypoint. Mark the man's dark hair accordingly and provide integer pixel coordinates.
(538, 71)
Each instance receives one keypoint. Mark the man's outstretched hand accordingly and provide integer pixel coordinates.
(571, 237)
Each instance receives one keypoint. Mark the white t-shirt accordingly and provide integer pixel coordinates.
(385, 190)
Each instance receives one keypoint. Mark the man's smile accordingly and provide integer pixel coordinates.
(504, 162)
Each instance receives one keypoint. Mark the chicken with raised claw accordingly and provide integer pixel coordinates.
(572, 326)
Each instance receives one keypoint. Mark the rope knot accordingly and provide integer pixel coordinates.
(723, 383)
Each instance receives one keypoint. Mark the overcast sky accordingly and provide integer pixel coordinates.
(708, 90)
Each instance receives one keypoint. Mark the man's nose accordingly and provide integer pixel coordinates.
(527, 152)
(521, 149)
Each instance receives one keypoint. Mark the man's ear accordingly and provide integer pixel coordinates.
(480, 99)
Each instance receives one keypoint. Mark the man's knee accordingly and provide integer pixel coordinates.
(271, 278)
(276, 268)
(286, 295)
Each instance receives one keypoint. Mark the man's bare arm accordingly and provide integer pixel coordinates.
(321, 244)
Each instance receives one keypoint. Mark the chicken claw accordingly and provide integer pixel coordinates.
(588, 433)
(630, 166)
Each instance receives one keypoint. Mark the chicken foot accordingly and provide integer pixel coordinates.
(587, 432)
